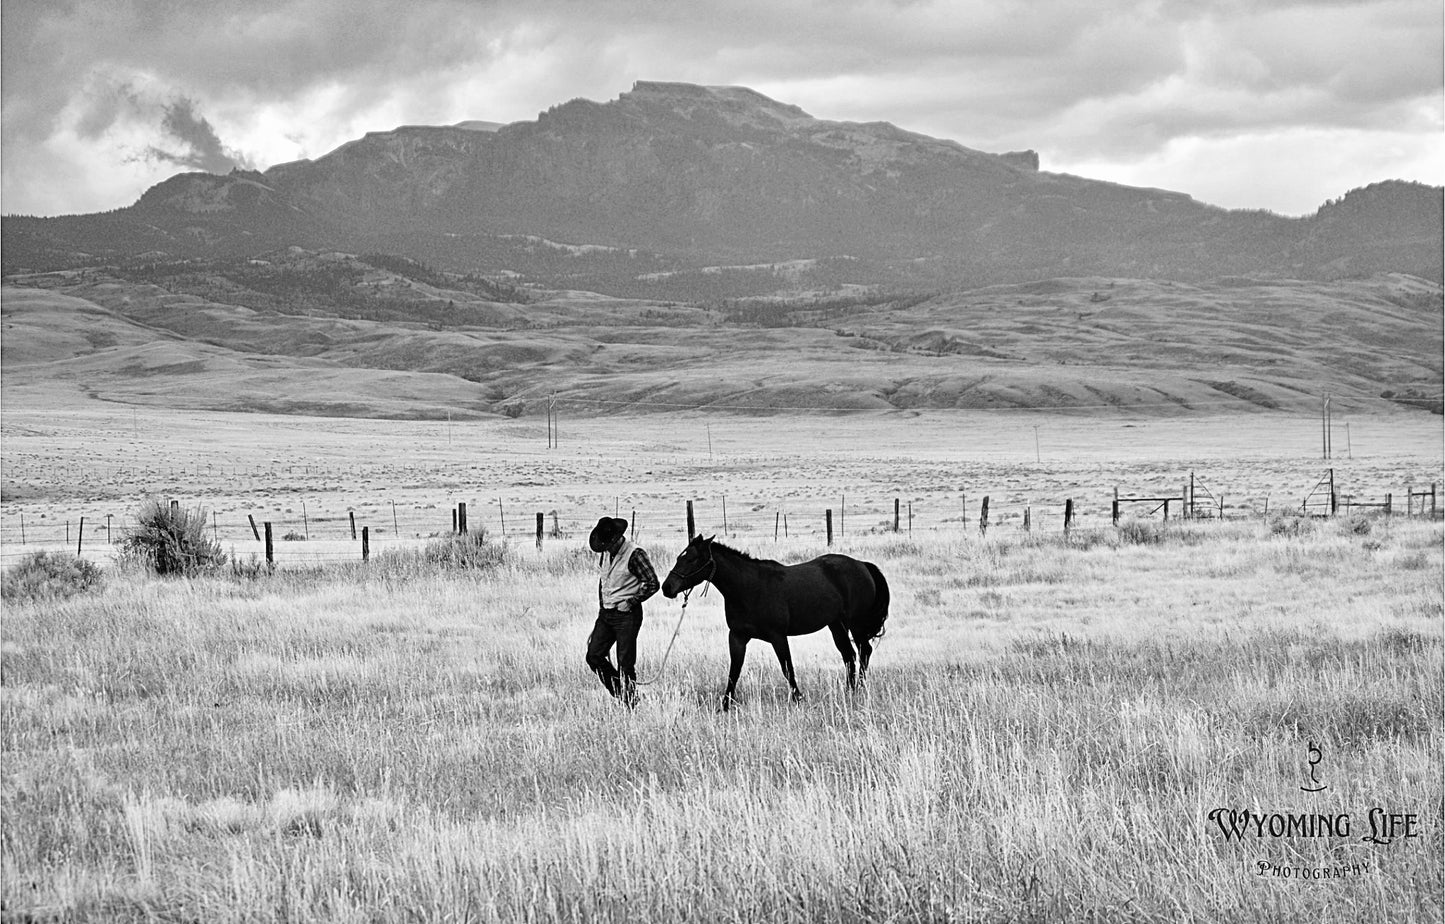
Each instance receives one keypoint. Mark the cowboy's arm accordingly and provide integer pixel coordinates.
(641, 567)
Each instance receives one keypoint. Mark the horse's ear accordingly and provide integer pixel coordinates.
(709, 539)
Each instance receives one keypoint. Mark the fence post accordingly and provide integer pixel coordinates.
(777, 518)
(1069, 514)
(895, 514)
(462, 517)
(352, 515)
(828, 519)
(691, 527)
(80, 536)
(365, 543)
(1388, 498)
(454, 519)
(910, 518)
(270, 550)
(108, 540)
(983, 517)
(1432, 501)
(634, 524)
(539, 531)
(725, 514)
(255, 532)
(305, 521)
(395, 526)
(502, 512)
(1116, 506)
(22, 529)
(1028, 511)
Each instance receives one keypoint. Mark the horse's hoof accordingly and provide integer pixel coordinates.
(797, 696)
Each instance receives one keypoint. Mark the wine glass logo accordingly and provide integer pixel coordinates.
(1315, 757)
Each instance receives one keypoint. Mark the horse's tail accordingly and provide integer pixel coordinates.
(872, 627)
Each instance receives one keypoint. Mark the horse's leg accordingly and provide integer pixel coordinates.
(865, 651)
(785, 660)
(845, 648)
(737, 649)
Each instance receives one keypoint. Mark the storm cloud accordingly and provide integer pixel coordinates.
(1243, 103)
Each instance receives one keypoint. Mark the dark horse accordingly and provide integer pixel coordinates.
(771, 601)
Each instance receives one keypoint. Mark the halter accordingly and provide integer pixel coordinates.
(711, 560)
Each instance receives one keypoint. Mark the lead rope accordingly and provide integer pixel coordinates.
(663, 666)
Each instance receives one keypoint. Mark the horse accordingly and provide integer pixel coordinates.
(770, 601)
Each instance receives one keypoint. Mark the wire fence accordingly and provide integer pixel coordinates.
(310, 536)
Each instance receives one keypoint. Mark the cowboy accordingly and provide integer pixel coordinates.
(626, 579)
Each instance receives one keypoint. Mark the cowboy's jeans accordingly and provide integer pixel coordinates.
(620, 628)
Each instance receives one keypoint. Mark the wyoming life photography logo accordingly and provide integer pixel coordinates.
(1385, 828)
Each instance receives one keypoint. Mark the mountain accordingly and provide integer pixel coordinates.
(674, 191)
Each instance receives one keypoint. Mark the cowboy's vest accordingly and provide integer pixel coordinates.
(618, 583)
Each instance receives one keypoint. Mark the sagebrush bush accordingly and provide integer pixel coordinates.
(1291, 524)
(171, 540)
(466, 550)
(49, 576)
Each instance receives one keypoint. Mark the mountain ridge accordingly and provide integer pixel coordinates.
(678, 177)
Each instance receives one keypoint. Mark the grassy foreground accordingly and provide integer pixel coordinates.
(1047, 731)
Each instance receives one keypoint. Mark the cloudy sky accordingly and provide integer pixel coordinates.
(1240, 103)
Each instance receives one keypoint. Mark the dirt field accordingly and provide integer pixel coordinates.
(66, 456)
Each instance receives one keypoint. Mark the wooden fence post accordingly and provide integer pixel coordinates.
(634, 524)
(365, 543)
(80, 536)
(691, 527)
(270, 550)
(1388, 498)
(352, 515)
(22, 529)
(539, 531)
(255, 532)
(1116, 506)
(910, 518)
(109, 541)
(895, 514)
(725, 514)
(462, 517)
(502, 512)
(395, 526)
(983, 517)
(305, 521)
(1069, 514)
(777, 518)
(1028, 527)
(828, 519)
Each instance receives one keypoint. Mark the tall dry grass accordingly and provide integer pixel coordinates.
(1047, 728)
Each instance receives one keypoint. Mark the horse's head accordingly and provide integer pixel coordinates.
(693, 566)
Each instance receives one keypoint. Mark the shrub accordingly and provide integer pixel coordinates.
(465, 551)
(1141, 532)
(171, 540)
(49, 576)
(1356, 523)
(1291, 524)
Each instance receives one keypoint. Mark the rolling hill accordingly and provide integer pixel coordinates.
(366, 335)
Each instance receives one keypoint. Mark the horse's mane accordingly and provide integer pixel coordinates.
(741, 554)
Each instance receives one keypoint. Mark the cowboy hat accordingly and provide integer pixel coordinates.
(605, 533)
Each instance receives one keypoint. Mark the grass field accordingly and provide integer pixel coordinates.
(1049, 725)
